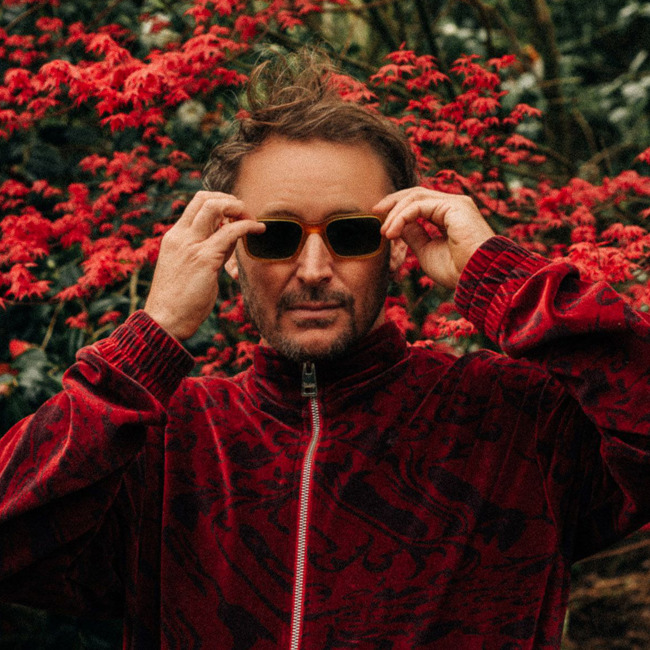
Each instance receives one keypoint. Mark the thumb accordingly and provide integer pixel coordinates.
(432, 253)
(416, 237)
(222, 242)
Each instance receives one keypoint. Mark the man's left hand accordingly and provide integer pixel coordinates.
(459, 221)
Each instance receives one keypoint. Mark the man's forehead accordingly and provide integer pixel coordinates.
(311, 180)
(290, 150)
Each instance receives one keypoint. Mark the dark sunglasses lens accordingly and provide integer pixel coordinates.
(354, 236)
(279, 241)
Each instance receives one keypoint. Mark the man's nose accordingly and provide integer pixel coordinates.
(315, 261)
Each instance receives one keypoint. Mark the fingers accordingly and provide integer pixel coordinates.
(406, 206)
(209, 228)
(416, 237)
(207, 211)
(195, 205)
(223, 241)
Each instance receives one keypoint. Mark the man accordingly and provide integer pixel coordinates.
(347, 490)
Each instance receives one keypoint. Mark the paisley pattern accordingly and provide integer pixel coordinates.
(449, 496)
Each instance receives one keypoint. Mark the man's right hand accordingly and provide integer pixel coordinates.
(192, 253)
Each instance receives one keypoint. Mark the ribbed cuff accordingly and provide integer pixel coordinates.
(143, 350)
(488, 282)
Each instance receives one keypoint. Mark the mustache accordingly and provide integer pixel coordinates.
(290, 299)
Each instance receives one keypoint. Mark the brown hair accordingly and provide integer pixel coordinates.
(294, 97)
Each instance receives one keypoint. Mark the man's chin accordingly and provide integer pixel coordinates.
(314, 344)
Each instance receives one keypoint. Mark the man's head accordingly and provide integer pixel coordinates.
(296, 98)
(305, 154)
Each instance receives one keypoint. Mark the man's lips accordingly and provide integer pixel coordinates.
(314, 309)
(316, 306)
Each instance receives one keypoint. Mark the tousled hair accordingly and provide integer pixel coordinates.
(294, 97)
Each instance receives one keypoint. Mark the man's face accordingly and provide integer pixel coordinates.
(317, 305)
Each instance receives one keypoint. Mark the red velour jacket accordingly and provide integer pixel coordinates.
(399, 497)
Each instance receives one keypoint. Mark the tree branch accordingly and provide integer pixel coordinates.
(488, 14)
(559, 131)
(133, 291)
(425, 23)
(380, 25)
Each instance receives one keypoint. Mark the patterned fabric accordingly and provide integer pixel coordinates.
(447, 499)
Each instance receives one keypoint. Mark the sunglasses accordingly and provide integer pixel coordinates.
(347, 236)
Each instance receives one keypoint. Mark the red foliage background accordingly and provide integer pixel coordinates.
(135, 114)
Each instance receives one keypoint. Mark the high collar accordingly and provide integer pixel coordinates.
(375, 353)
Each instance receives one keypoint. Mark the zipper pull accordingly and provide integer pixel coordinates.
(309, 388)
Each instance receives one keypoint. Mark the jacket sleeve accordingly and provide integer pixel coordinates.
(593, 432)
(63, 499)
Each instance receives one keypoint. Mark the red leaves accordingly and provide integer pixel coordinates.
(437, 326)
(203, 10)
(472, 122)
(169, 174)
(352, 90)
(517, 141)
(127, 91)
(519, 112)
(582, 221)
(18, 347)
(396, 312)
(47, 24)
(644, 156)
(22, 283)
(421, 71)
(392, 72)
(109, 260)
(93, 163)
(602, 247)
(503, 62)
(25, 235)
(476, 76)
(78, 322)
(601, 263)
(96, 232)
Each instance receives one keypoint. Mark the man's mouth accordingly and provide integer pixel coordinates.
(314, 305)
(314, 309)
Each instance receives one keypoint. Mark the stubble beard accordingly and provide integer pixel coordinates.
(355, 328)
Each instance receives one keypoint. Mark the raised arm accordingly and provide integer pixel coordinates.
(594, 347)
(73, 470)
(581, 332)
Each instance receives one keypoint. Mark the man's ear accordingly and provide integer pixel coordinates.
(232, 267)
(398, 249)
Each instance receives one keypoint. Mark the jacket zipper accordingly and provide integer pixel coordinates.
(309, 390)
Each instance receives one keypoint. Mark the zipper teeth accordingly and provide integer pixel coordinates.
(303, 514)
